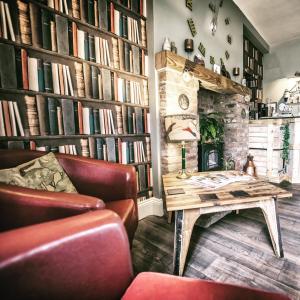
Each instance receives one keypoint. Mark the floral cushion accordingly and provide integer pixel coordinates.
(43, 173)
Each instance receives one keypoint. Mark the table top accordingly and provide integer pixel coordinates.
(183, 194)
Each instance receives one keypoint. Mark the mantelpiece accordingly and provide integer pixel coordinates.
(208, 79)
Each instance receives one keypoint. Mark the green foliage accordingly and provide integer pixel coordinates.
(211, 128)
(286, 143)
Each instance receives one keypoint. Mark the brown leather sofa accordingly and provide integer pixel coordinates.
(87, 257)
(100, 184)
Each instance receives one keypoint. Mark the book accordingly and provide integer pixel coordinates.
(32, 115)
(46, 30)
(18, 119)
(12, 117)
(3, 20)
(92, 53)
(8, 78)
(99, 148)
(33, 74)
(2, 125)
(87, 80)
(76, 9)
(55, 78)
(62, 34)
(86, 120)
(24, 22)
(68, 116)
(53, 36)
(52, 111)
(35, 23)
(106, 84)
(48, 77)
(43, 115)
(103, 14)
(9, 22)
(6, 116)
(80, 44)
(111, 149)
(79, 79)
(94, 77)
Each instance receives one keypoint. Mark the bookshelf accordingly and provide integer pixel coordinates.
(74, 79)
(253, 73)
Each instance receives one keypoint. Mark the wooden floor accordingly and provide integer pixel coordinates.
(237, 249)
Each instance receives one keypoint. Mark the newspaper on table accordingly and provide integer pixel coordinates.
(215, 181)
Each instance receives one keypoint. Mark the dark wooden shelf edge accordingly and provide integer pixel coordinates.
(77, 136)
(72, 58)
(51, 95)
(82, 23)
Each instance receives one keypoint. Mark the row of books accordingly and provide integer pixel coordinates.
(6, 27)
(127, 27)
(50, 116)
(254, 83)
(10, 119)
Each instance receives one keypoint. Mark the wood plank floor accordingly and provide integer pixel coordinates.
(236, 249)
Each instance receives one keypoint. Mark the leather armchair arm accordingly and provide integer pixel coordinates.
(23, 206)
(81, 257)
(108, 181)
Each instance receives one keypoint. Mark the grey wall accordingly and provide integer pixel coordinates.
(279, 66)
(170, 19)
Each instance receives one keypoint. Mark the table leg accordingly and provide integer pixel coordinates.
(269, 209)
(184, 224)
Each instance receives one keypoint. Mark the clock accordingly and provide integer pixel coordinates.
(183, 101)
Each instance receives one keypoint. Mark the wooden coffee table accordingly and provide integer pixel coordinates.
(190, 201)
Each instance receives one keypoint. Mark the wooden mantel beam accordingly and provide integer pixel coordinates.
(208, 79)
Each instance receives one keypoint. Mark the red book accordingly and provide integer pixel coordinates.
(75, 42)
(120, 150)
(24, 62)
(141, 7)
(80, 118)
(6, 118)
(112, 18)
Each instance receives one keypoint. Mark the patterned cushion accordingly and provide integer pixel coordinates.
(43, 173)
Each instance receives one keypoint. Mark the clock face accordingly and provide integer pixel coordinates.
(183, 102)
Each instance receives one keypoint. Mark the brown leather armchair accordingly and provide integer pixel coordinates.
(114, 184)
(87, 257)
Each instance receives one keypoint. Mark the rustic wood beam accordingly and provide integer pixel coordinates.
(208, 79)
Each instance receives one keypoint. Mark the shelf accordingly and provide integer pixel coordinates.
(84, 24)
(51, 95)
(208, 79)
(71, 58)
(76, 136)
(128, 10)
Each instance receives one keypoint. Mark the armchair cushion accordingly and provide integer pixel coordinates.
(43, 173)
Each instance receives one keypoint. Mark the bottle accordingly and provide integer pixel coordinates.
(166, 45)
(249, 167)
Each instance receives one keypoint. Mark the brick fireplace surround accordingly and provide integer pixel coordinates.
(171, 86)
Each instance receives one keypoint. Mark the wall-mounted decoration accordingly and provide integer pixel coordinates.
(183, 101)
(166, 45)
(192, 26)
(189, 4)
(217, 69)
(202, 50)
(227, 55)
(199, 60)
(215, 11)
(227, 21)
(236, 71)
(229, 39)
(212, 60)
(188, 45)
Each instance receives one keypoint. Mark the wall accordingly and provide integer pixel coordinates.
(279, 65)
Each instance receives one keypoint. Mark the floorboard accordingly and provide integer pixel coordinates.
(236, 249)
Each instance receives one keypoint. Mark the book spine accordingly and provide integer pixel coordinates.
(48, 77)
(24, 60)
(40, 72)
(52, 111)
(92, 54)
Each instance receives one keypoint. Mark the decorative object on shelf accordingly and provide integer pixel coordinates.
(227, 55)
(167, 44)
(211, 128)
(183, 101)
(285, 146)
(199, 60)
(189, 4)
(289, 96)
(224, 72)
(229, 163)
(249, 168)
(202, 50)
(227, 21)
(173, 48)
(217, 68)
(181, 129)
(244, 81)
(229, 39)
(247, 98)
(192, 26)
(243, 113)
(214, 7)
(236, 71)
(212, 60)
(188, 46)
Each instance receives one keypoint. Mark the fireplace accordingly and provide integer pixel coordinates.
(210, 157)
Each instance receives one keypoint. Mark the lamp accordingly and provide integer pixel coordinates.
(182, 128)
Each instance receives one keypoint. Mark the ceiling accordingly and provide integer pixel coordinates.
(278, 21)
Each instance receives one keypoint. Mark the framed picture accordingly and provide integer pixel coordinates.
(217, 68)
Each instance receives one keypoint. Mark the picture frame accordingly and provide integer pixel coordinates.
(217, 69)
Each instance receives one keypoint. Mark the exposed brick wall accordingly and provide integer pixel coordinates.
(236, 131)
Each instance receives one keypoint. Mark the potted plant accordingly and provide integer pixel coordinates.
(211, 128)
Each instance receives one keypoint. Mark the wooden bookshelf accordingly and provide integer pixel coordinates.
(253, 73)
(123, 104)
